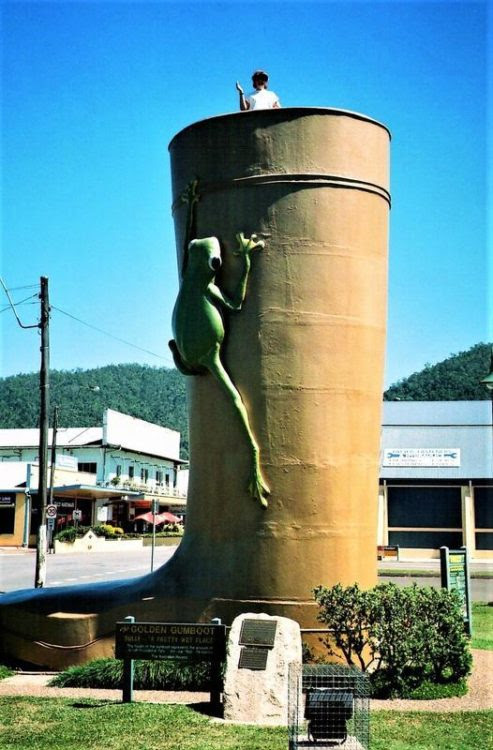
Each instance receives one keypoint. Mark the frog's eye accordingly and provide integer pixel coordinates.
(215, 263)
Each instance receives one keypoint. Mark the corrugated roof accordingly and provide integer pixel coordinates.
(66, 436)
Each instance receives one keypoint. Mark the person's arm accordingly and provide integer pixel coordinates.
(244, 105)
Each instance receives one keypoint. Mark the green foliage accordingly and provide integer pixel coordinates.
(457, 378)
(115, 532)
(156, 394)
(148, 675)
(108, 531)
(404, 637)
(68, 535)
(5, 672)
(430, 691)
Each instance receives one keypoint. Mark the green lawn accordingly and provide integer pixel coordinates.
(482, 626)
(467, 730)
(68, 724)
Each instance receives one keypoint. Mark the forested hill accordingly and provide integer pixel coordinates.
(456, 378)
(158, 394)
(154, 394)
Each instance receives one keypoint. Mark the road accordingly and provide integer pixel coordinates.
(17, 569)
(17, 566)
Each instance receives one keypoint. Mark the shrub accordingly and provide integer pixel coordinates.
(403, 637)
(5, 672)
(107, 531)
(67, 535)
(148, 675)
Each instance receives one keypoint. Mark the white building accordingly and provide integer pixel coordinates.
(109, 473)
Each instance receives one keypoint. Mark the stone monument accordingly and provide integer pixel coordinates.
(261, 652)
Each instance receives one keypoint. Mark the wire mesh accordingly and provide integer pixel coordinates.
(328, 707)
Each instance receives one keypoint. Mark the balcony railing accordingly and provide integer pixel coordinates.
(149, 488)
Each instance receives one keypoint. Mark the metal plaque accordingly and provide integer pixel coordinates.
(258, 633)
(253, 658)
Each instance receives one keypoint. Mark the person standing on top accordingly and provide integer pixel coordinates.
(261, 98)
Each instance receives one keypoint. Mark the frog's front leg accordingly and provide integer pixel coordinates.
(245, 247)
(257, 485)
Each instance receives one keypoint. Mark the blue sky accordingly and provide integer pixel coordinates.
(93, 93)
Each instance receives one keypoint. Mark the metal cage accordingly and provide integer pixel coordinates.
(328, 707)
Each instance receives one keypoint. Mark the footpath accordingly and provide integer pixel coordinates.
(479, 696)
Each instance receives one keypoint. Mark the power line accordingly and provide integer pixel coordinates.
(21, 302)
(111, 335)
(27, 286)
(13, 307)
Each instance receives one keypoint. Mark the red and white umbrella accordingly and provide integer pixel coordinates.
(169, 517)
(160, 518)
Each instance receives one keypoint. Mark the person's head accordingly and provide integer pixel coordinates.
(260, 79)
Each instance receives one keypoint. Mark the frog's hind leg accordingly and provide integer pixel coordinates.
(257, 486)
(180, 364)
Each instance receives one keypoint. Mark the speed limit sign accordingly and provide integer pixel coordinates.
(51, 511)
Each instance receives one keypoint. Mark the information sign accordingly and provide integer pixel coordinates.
(454, 571)
(177, 641)
(431, 457)
(8, 499)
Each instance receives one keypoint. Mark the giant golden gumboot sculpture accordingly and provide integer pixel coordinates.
(306, 356)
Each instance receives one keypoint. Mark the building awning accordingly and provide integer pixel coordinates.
(143, 500)
(92, 492)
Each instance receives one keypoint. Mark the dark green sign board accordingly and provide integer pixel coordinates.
(176, 641)
(454, 570)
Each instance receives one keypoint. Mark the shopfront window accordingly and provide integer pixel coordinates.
(425, 517)
(483, 514)
(7, 513)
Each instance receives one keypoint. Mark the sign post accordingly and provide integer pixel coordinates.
(128, 672)
(51, 514)
(454, 570)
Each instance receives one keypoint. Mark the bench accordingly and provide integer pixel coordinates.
(388, 552)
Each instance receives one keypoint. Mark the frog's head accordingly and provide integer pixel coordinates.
(206, 253)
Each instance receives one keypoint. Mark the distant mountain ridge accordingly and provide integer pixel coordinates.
(157, 394)
(456, 378)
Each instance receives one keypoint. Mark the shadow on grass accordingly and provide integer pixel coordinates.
(207, 709)
(103, 704)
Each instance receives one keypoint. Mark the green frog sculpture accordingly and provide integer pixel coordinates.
(198, 325)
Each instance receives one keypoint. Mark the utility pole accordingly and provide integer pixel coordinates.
(51, 522)
(54, 430)
(44, 392)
